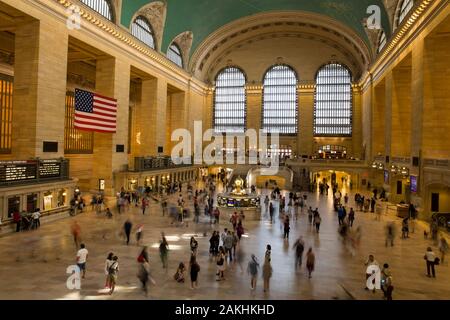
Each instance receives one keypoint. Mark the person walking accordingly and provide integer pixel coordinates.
(267, 273)
(75, 229)
(139, 234)
(351, 217)
(228, 245)
(240, 230)
(390, 234)
(113, 272)
(299, 247)
(431, 260)
(310, 262)
(405, 229)
(252, 269)
(310, 215)
(144, 205)
(82, 256)
(127, 228)
(36, 219)
(443, 247)
(194, 246)
(271, 211)
(317, 221)
(266, 203)
(194, 268)
(287, 227)
(386, 282)
(164, 252)
(370, 262)
(220, 263)
(109, 260)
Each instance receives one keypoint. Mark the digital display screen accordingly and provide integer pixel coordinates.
(413, 180)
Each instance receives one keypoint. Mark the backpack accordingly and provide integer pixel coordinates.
(111, 269)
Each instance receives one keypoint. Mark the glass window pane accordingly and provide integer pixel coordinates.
(142, 30)
(333, 101)
(280, 101)
(174, 55)
(230, 101)
(102, 7)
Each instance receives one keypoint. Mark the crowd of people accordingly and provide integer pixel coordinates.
(226, 251)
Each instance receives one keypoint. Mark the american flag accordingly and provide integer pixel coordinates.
(94, 112)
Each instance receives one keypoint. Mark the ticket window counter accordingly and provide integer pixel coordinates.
(48, 201)
(32, 202)
(13, 206)
(62, 198)
(132, 185)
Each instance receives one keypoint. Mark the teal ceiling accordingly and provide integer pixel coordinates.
(203, 17)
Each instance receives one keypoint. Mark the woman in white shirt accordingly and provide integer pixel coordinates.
(430, 258)
(113, 271)
(108, 262)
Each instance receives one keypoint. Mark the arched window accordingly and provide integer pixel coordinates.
(142, 30)
(279, 112)
(405, 8)
(333, 101)
(174, 55)
(104, 7)
(230, 101)
(381, 41)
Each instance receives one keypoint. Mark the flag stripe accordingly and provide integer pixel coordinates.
(106, 105)
(94, 128)
(96, 122)
(103, 110)
(96, 116)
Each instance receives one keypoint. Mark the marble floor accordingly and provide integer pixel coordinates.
(33, 264)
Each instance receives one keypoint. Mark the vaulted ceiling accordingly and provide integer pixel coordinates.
(203, 17)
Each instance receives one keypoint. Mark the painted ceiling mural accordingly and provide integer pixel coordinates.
(203, 17)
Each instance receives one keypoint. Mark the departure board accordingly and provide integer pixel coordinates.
(11, 171)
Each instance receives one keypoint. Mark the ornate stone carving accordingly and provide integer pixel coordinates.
(7, 57)
(184, 42)
(155, 13)
(80, 80)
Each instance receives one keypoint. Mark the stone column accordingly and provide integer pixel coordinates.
(388, 114)
(39, 88)
(112, 80)
(254, 111)
(417, 100)
(152, 123)
(305, 144)
(177, 118)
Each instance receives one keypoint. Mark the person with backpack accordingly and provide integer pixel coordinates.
(299, 247)
(220, 263)
(194, 270)
(144, 270)
(113, 272)
(252, 269)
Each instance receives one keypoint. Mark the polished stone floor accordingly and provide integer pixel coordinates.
(33, 264)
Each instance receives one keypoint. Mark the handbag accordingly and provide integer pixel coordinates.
(437, 261)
